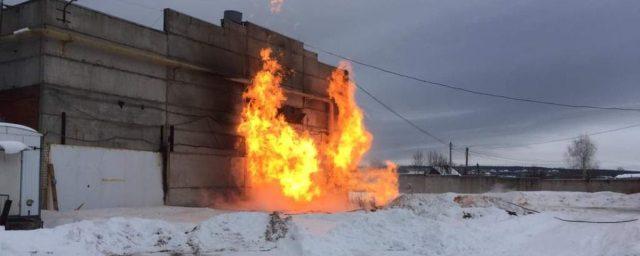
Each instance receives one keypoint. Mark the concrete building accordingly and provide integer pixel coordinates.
(85, 78)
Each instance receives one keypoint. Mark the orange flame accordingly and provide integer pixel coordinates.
(349, 141)
(275, 151)
(306, 173)
(276, 5)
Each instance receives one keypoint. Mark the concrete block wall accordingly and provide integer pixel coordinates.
(110, 99)
(207, 156)
(203, 107)
(115, 100)
(20, 60)
(472, 185)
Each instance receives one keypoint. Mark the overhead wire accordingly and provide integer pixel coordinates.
(560, 140)
(477, 92)
(390, 109)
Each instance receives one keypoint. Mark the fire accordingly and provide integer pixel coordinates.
(275, 151)
(288, 169)
(276, 5)
(349, 141)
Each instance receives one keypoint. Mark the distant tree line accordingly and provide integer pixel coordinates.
(580, 155)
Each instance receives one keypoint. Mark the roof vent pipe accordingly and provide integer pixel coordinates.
(234, 16)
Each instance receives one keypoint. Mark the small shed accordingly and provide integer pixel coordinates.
(20, 169)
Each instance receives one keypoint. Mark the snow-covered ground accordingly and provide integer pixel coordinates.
(421, 224)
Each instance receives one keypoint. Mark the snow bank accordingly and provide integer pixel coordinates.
(12, 147)
(628, 176)
(422, 224)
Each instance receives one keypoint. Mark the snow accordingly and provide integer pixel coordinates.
(628, 176)
(419, 224)
(17, 126)
(12, 147)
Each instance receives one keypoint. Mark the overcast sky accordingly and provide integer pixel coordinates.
(570, 51)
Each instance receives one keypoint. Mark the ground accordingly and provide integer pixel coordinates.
(420, 224)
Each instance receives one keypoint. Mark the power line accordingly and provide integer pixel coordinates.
(563, 139)
(431, 135)
(452, 87)
(420, 129)
(516, 160)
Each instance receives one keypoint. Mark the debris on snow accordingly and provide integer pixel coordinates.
(277, 227)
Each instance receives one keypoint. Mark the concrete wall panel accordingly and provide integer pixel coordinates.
(198, 171)
(17, 50)
(194, 197)
(316, 86)
(100, 79)
(202, 120)
(195, 141)
(318, 69)
(27, 14)
(444, 184)
(211, 98)
(275, 39)
(202, 31)
(90, 55)
(205, 79)
(103, 107)
(108, 27)
(106, 178)
(222, 61)
(20, 73)
(91, 132)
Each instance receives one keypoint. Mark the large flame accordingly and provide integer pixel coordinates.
(288, 169)
(275, 151)
(349, 140)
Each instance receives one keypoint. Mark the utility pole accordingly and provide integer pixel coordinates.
(466, 162)
(1, 14)
(450, 154)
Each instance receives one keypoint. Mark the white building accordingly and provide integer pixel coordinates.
(20, 169)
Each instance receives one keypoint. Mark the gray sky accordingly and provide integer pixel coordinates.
(571, 51)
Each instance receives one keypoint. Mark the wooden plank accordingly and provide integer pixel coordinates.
(52, 183)
(5, 212)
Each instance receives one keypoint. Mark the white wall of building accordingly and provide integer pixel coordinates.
(20, 173)
(10, 180)
(106, 178)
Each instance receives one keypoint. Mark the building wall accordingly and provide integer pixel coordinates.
(109, 178)
(110, 99)
(204, 108)
(472, 185)
(20, 172)
(115, 99)
(20, 66)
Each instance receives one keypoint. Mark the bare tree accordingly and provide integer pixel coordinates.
(418, 158)
(581, 155)
(436, 158)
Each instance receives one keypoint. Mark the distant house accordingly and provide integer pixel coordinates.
(428, 170)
